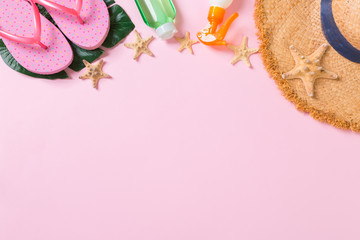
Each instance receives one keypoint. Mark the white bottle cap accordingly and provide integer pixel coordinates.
(221, 3)
(166, 31)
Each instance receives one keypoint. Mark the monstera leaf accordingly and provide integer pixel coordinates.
(12, 63)
(81, 54)
(109, 2)
(120, 26)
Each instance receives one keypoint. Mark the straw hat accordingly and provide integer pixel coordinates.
(310, 48)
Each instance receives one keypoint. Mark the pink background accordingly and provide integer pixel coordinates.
(176, 147)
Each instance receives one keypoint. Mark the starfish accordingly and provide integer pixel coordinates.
(243, 52)
(140, 45)
(308, 68)
(186, 43)
(94, 72)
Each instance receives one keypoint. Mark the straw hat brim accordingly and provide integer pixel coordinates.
(282, 23)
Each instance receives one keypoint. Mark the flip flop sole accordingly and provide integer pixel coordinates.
(93, 32)
(17, 18)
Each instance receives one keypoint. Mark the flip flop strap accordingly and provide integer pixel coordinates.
(37, 30)
(72, 11)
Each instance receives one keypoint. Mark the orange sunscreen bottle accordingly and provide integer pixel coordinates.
(209, 35)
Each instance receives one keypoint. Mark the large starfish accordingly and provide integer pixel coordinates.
(243, 52)
(140, 45)
(94, 72)
(308, 68)
(186, 43)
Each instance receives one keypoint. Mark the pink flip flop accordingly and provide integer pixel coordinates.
(31, 39)
(85, 22)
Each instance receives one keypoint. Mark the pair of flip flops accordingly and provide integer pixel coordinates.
(38, 45)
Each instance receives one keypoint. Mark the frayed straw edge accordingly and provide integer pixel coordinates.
(272, 68)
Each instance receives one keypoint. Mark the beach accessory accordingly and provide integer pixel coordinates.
(308, 68)
(160, 15)
(94, 72)
(31, 39)
(140, 45)
(243, 52)
(84, 22)
(210, 35)
(307, 25)
(186, 43)
(333, 34)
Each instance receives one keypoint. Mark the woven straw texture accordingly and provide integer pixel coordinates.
(283, 23)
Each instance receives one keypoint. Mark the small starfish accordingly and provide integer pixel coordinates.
(140, 45)
(186, 43)
(94, 72)
(243, 52)
(308, 68)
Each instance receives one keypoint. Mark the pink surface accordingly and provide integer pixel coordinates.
(17, 18)
(92, 33)
(206, 151)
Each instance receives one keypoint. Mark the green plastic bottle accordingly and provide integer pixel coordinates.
(160, 15)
